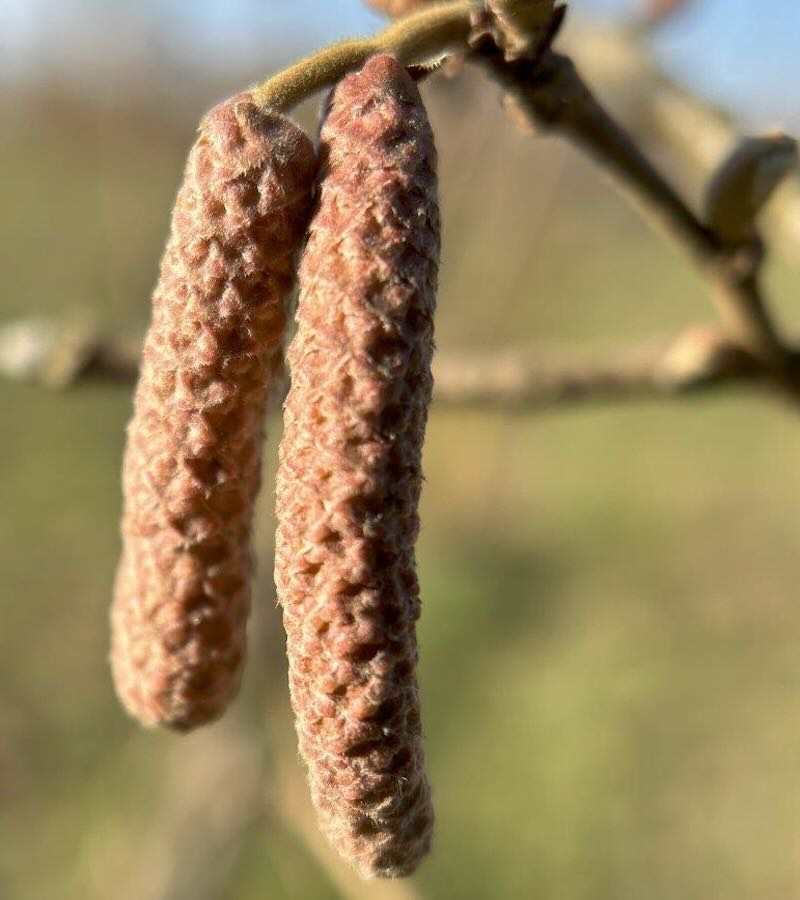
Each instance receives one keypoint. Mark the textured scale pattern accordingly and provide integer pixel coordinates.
(192, 464)
(349, 476)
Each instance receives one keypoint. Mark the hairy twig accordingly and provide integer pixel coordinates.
(424, 35)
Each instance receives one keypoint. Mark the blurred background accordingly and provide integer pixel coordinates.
(610, 642)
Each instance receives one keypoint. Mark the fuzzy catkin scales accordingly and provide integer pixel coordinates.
(349, 477)
(192, 463)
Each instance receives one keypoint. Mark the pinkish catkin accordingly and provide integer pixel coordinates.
(192, 463)
(349, 477)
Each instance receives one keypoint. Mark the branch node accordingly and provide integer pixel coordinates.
(522, 29)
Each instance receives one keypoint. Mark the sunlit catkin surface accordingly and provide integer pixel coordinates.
(191, 469)
(350, 477)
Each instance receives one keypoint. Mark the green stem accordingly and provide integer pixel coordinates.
(416, 38)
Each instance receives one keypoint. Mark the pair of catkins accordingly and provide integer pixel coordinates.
(349, 475)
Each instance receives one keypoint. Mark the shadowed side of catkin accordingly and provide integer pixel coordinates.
(349, 475)
(192, 463)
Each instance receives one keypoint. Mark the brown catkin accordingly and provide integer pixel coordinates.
(349, 477)
(192, 463)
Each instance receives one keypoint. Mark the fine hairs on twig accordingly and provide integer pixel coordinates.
(192, 463)
(349, 477)
(421, 37)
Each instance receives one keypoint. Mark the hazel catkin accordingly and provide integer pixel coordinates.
(192, 462)
(349, 476)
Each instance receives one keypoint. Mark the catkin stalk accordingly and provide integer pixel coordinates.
(192, 462)
(349, 475)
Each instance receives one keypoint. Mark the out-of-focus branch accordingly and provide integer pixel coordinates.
(524, 379)
(180, 860)
(552, 95)
(693, 132)
(58, 355)
(532, 379)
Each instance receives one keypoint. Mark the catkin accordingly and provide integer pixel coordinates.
(349, 476)
(192, 463)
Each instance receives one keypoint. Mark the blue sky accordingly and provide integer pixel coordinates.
(741, 52)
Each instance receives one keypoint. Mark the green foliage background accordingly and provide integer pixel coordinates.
(610, 640)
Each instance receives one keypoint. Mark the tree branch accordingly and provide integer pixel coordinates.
(551, 95)
(695, 133)
(524, 379)
(547, 91)
(533, 379)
